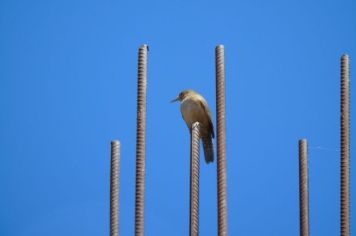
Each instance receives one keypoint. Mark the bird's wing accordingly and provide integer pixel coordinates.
(206, 108)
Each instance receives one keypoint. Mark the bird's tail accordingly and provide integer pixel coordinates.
(208, 149)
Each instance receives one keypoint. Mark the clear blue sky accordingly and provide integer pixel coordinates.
(68, 72)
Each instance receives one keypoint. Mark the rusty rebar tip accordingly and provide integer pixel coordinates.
(195, 124)
(113, 142)
(144, 46)
(302, 140)
(345, 56)
(219, 46)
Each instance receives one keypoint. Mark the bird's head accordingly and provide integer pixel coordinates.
(184, 94)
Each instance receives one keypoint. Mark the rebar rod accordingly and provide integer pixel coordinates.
(141, 141)
(115, 189)
(221, 140)
(303, 188)
(194, 179)
(345, 145)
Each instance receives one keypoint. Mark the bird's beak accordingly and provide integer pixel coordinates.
(176, 99)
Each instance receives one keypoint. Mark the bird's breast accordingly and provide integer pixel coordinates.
(192, 112)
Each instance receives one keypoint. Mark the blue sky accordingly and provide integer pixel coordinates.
(68, 72)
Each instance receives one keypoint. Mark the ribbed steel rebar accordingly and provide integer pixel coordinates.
(115, 188)
(194, 179)
(141, 141)
(221, 140)
(345, 145)
(303, 188)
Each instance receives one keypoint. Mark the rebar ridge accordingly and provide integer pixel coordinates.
(303, 188)
(345, 145)
(141, 141)
(194, 179)
(115, 188)
(221, 140)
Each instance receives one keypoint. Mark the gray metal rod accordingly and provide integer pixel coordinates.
(115, 189)
(221, 140)
(194, 179)
(303, 188)
(345, 145)
(141, 141)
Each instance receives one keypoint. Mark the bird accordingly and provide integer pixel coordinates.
(194, 108)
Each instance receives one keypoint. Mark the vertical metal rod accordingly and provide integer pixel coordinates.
(194, 179)
(345, 145)
(115, 189)
(303, 188)
(221, 140)
(141, 141)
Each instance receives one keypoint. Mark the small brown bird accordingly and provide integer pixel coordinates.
(194, 108)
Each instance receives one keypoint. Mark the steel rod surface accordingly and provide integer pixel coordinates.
(303, 188)
(345, 145)
(194, 179)
(141, 141)
(115, 189)
(221, 140)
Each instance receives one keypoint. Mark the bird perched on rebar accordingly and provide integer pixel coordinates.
(194, 108)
